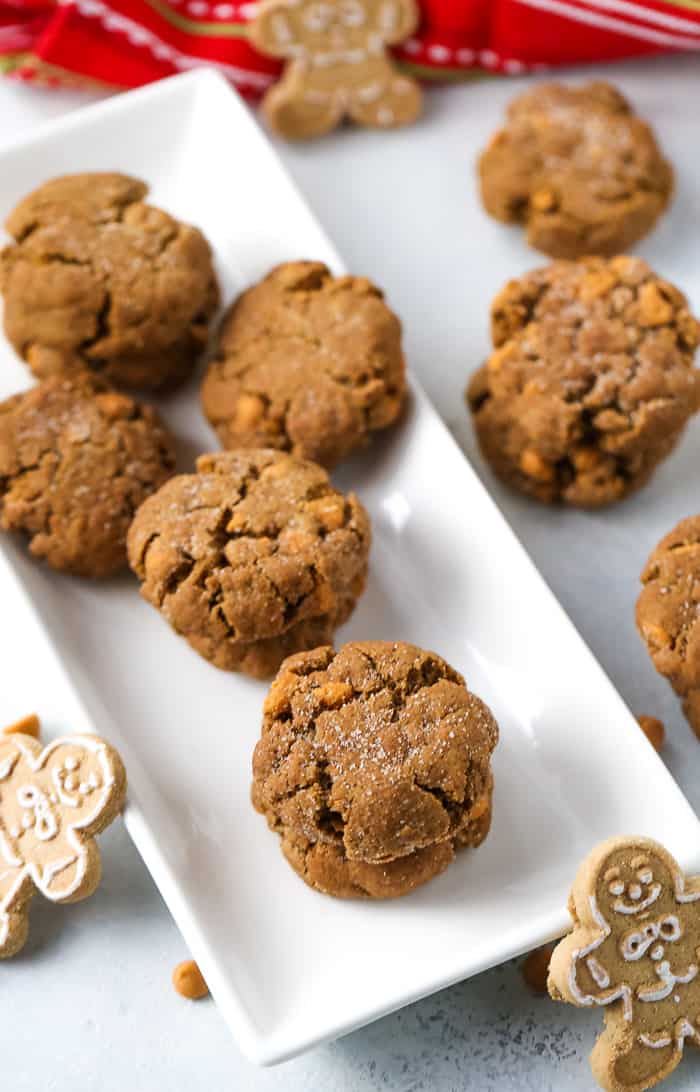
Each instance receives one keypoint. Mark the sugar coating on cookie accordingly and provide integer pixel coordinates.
(253, 557)
(76, 460)
(667, 612)
(578, 169)
(373, 766)
(591, 382)
(98, 279)
(307, 363)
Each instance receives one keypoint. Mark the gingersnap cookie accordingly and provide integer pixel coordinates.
(634, 951)
(53, 801)
(252, 558)
(76, 460)
(307, 363)
(337, 64)
(373, 767)
(97, 279)
(667, 613)
(578, 169)
(591, 382)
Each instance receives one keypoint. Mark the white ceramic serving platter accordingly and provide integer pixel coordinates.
(289, 967)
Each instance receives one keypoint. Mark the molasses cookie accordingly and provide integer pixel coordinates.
(373, 767)
(591, 382)
(307, 363)
(578, 169)
(76, 460)
(97, 279)
(252, 558)
(667, 613)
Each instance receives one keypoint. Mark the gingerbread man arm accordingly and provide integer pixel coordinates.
(396, 20)
(272, 30)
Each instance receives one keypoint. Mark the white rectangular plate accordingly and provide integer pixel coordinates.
(289, 967)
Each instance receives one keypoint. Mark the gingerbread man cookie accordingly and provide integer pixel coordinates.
(635, 949)
(53, 800)
(337, 64)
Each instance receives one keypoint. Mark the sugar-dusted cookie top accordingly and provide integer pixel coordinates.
(251, 558)
(635, 951)
(591, 382)
(308, 363)
(378, 750)
(98, 279)
(76, 460)
(577, 168)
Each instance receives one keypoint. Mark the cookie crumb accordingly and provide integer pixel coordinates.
(189, 981)
(25, 726)
(653, 729)
(535, 968)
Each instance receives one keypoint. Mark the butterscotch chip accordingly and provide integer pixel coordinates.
(578, 169)
(653, 729)
(586, 398)
(98, 279)
(25, 726)
(238, 561)
(373, 792)
(76, 460)
(189, 981)
(667, 612)
(307, 363)
(535, 968)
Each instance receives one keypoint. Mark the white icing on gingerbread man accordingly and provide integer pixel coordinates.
(635, 949)
(337, 63)
(52, 801)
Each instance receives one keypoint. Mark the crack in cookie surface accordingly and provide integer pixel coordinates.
(306, 363)
(377, 752)
(98, 279)
(252, 558)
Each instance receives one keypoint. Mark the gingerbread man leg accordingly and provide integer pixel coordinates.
(297, 112)
(15, 892)
(620, 1064)
(386, 105)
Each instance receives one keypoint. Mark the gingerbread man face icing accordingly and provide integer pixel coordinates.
(635, 949)
(53, 800)
(338, 66)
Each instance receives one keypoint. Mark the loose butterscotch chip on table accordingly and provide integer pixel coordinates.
(591, 381)
(306, 363)
(251, 558)
(97, 279)
(535, 967)
(373, 767)
(25, 726)
(189, 982)
(578, 169)
(76, 460)
(653, 729)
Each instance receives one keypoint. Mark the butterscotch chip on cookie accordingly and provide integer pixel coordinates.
(307, 363)
(252, 558)
(373, 767)
(76, 460)
(667, 613)
(98, 279)
(591, 381)
(578, 169)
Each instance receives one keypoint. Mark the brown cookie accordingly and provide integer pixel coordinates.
(53, 801)
(634, 950)
(98, 279)
(252, 558)
(76, 460)
(667, 612)
(591, 382)
(373, 766)
(307, 363)
(337, 66)
(578, 169)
